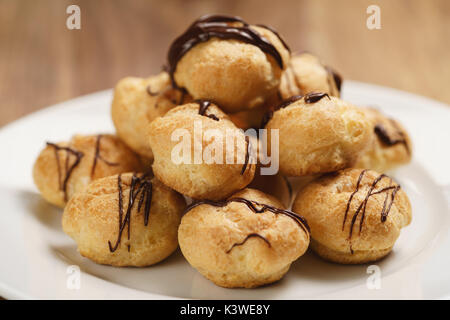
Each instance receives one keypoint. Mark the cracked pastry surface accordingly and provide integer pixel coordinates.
(318, 133)
(137, 102)
(305, 73)
(355, 215)
(124, 220)
(246, 241)
(64, 168)
(225, 60)
(203, 178)
(390, 147)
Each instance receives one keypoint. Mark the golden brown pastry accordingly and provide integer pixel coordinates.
(124, 220)
(194, 163)
(62, 169)
(355, 215)
(226, 60)
(245, 241)
(137, 102)
(391, 145)
(305, 74)
(318, 134)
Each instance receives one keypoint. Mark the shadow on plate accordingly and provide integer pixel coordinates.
(311, 266)
(70, 255)
(44, 212)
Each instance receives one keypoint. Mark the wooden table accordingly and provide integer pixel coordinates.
(42, 62)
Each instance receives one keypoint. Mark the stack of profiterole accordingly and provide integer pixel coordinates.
(123, 194)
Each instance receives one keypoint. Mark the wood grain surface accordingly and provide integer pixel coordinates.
(42, 62)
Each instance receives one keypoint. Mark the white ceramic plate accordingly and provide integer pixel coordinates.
(35, 254)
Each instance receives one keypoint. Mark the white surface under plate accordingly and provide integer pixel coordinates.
(35, 253)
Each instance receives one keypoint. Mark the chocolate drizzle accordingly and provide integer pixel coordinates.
(309, 98)
(383, 135)
(275, 32)
(203, 105)
(314, 97)
(140, 191)
(253, 205)
(97, 156)
(248, 149)
(361, 209)
(68, 168)
(222, 27)
(288, 101)
(168, 93)
(251, 235)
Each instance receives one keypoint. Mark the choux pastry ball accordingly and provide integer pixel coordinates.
(245, 241)
(226, 60)
(137, 102)
(355, 215)
(64, 168)
(124, 220)
(305, 74)
(390, 147)
(318, 133)
(193, 155)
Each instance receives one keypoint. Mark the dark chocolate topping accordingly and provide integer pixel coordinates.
(203, 106)
(168, 93)
(251, 235)
(97, 156)
(68, 168)
(311, 97)
(361, 209)
(223, 27)
(139, 186)
(275, 32)
(252, 205)
(383, 135)
(314, 97)
(288, 101)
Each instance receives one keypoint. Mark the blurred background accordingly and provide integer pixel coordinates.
(42, 62)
